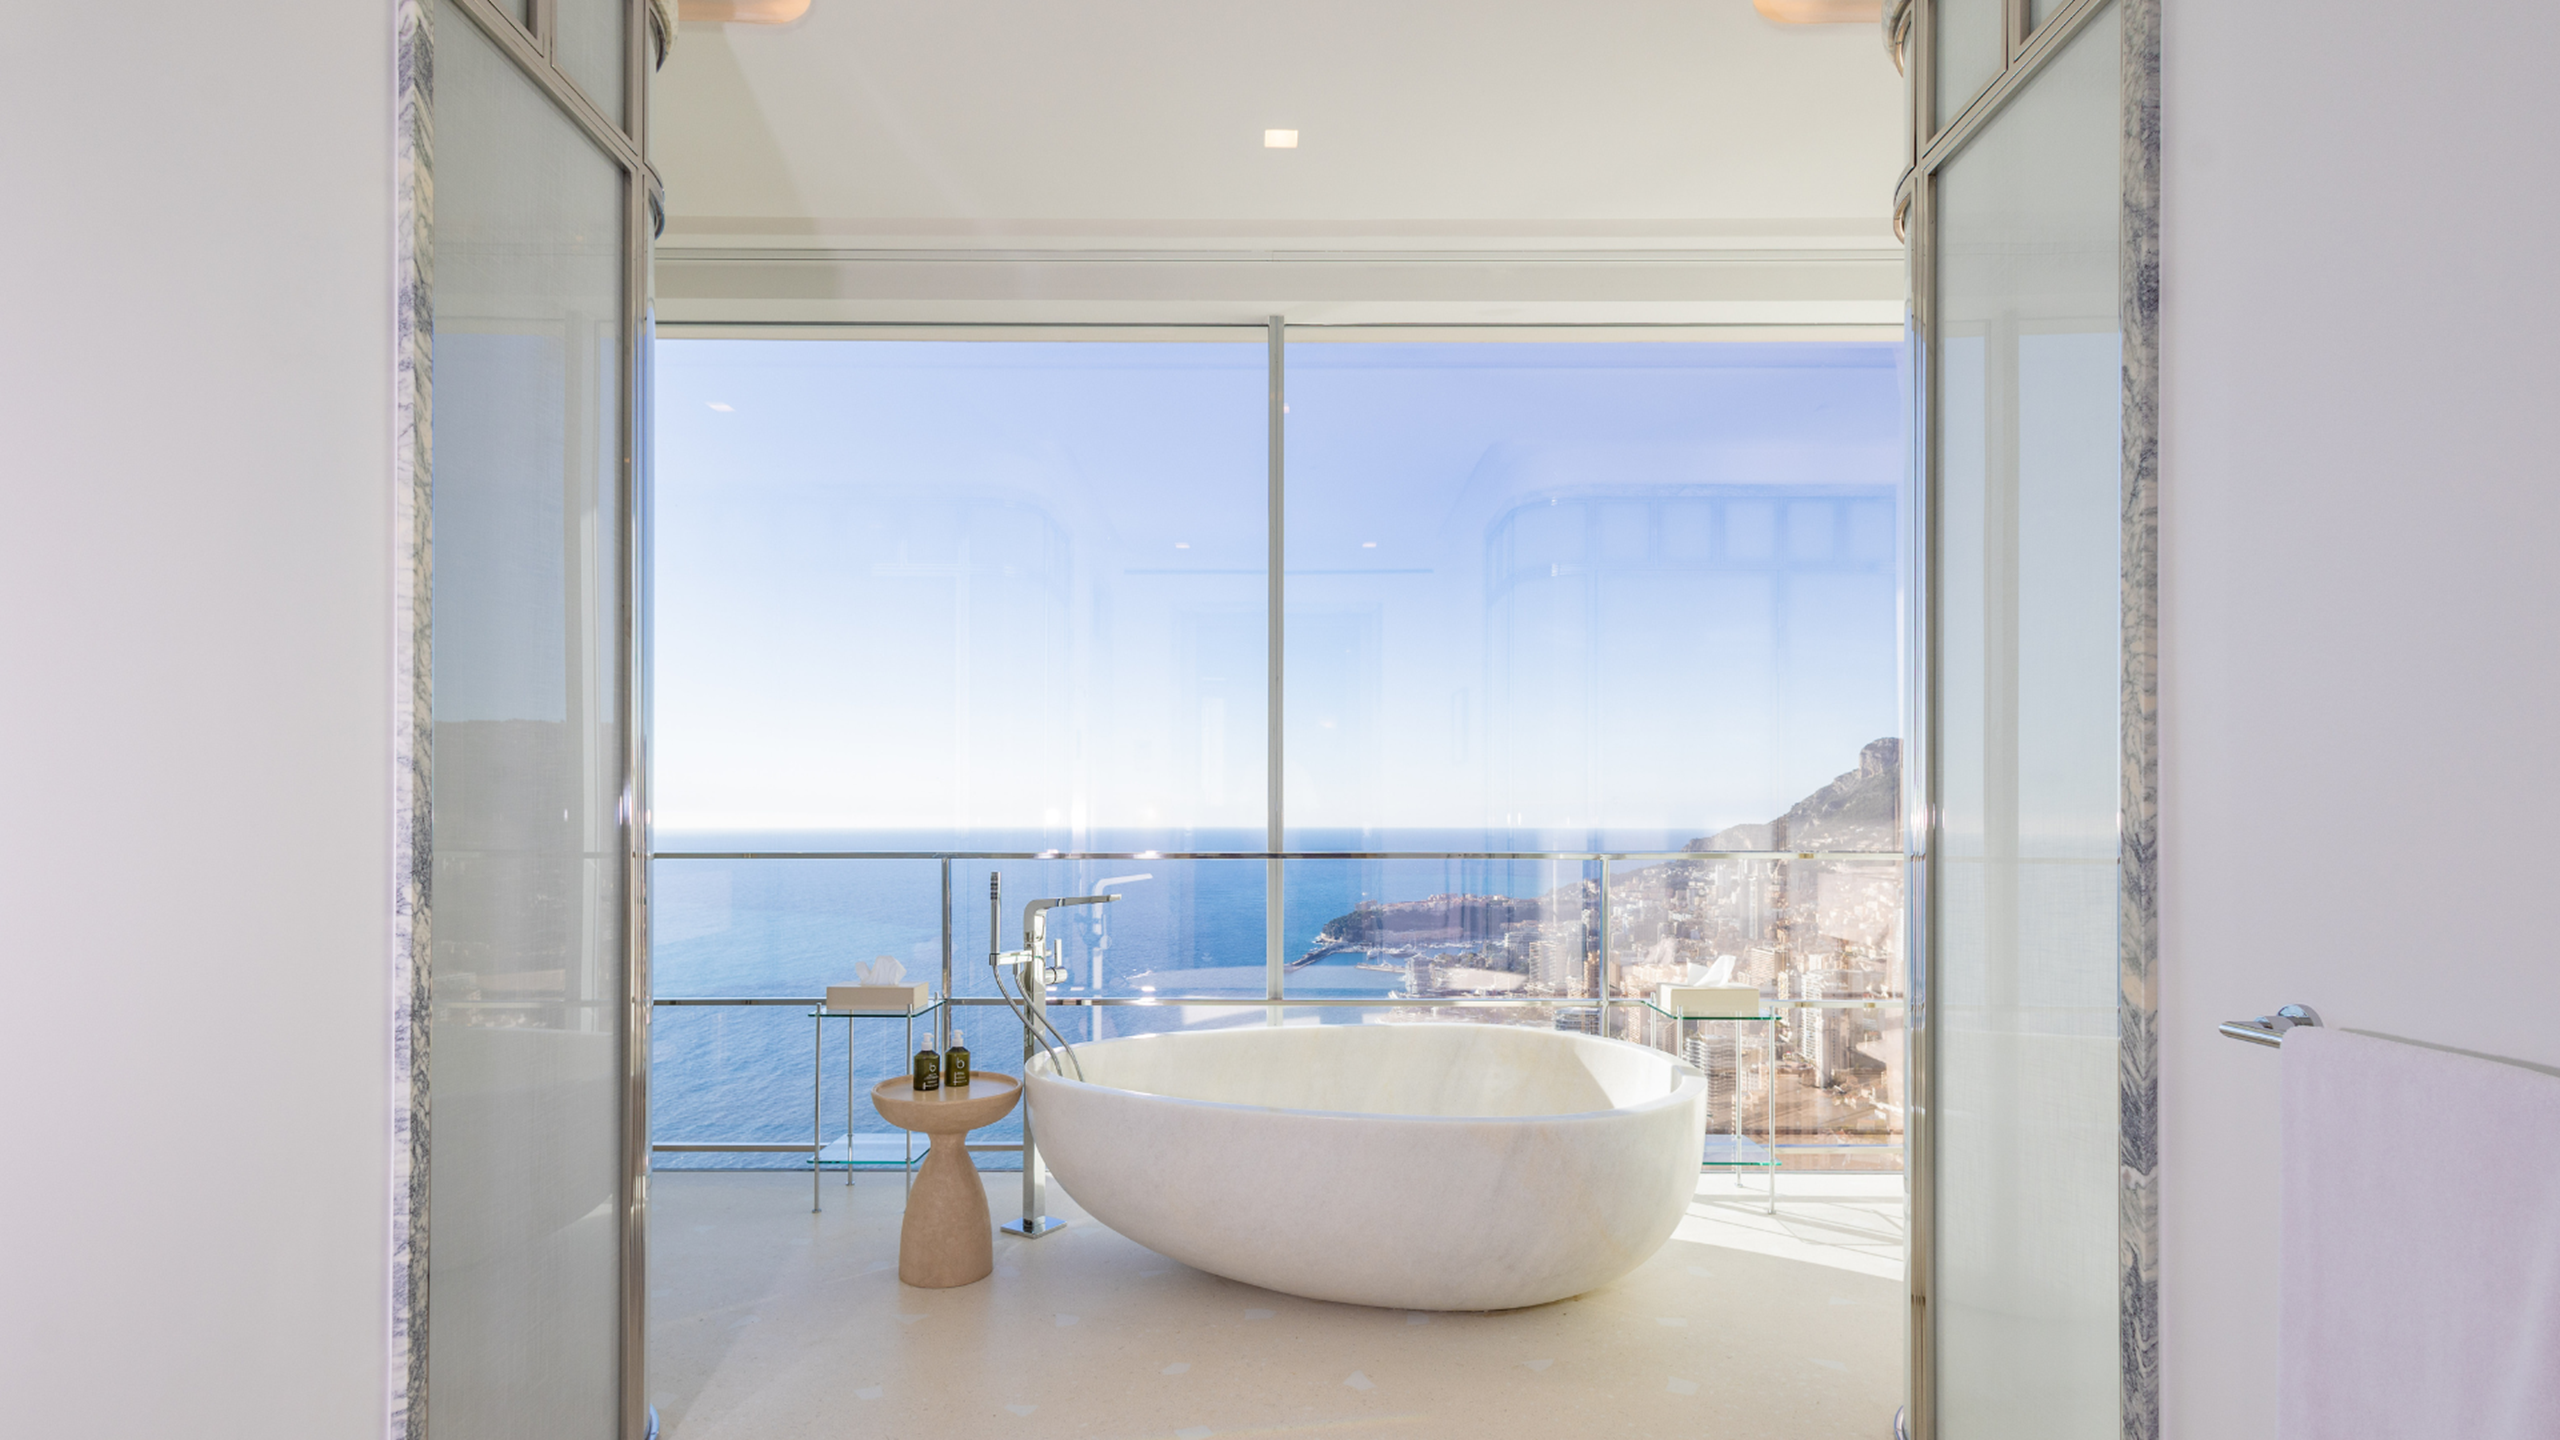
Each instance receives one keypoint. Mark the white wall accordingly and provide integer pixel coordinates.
(2360, 564)
(194, 672)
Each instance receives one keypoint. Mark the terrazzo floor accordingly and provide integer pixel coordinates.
(770, 1323)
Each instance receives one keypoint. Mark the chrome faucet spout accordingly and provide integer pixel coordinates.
(1035, 917)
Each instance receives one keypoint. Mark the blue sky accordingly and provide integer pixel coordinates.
(1533, 588)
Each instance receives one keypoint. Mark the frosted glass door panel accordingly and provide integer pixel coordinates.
(529, 959)
(590, 35)
(1971, 50)
(2028, 579)
(1570, 595)
(963, 594)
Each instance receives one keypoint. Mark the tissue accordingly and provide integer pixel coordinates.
(1709, 990)
(883, 989)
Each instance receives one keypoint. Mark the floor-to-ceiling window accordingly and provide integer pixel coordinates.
(1601, 638)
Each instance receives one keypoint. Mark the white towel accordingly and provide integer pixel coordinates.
(2421, 1248)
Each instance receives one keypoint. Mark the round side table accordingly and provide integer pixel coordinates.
(948, 1239)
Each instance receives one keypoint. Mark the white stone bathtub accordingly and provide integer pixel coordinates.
(1419, 1167)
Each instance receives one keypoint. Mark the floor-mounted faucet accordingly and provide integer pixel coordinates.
(1034, 973)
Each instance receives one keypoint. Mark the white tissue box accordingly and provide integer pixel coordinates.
(1730, 1002)
(889, 999)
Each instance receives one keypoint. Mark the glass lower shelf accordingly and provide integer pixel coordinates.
(1738, 1150)
(868, 1152)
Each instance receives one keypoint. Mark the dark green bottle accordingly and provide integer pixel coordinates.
(955, 1063)
(928, 1069)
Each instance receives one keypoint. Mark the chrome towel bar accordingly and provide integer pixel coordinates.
(2269, 1029)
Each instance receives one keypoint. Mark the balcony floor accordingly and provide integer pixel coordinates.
(770, 1323)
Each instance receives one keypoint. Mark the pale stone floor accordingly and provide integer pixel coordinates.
(770, 1323)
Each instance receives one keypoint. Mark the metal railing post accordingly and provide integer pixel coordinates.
(817, 1103)
(1275, 875)
(942, 1024)
(1603, 985)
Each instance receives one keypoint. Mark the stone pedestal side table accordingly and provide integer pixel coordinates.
(948, 1238)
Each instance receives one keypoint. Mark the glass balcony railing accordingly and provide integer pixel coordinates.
(745, 943)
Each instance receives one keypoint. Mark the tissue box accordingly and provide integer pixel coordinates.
(1718, 1001)
(891, 999)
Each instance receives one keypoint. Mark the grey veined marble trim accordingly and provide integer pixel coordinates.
(413, 153)
(2137, 904)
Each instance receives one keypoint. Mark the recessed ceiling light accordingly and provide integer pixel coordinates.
(1368, 544)
(1279, 139)
(1181, 544)
(721, 407)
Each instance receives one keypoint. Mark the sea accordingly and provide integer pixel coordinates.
(776, 926)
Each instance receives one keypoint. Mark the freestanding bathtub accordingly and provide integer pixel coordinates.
(1419, 1167)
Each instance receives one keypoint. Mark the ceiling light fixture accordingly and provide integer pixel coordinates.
(1279, 139)
(1821, 12)
(723, 407)
(742, 12)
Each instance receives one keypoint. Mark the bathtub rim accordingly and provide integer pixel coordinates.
(1041, 1068)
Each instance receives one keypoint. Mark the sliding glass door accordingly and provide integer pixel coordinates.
(531, 1203)
(2029, 1303)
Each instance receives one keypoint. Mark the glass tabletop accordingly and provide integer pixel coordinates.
(1657, 1009)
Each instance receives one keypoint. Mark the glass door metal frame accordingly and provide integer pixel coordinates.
(1909, 31)
(529, 40)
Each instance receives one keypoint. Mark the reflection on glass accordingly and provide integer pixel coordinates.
(1583, 596)
(2028, 586)
(975, 592)
(528, 929)
(1821, 939)
(1406, 929)
(1798, 927)
(1971, 50)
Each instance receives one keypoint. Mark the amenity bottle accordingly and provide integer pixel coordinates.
(955, 1064)
(928, 1069)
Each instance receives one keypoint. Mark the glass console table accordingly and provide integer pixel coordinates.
(1713, 1045)
(818, 1163)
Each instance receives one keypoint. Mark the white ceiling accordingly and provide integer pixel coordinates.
(987, 159)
